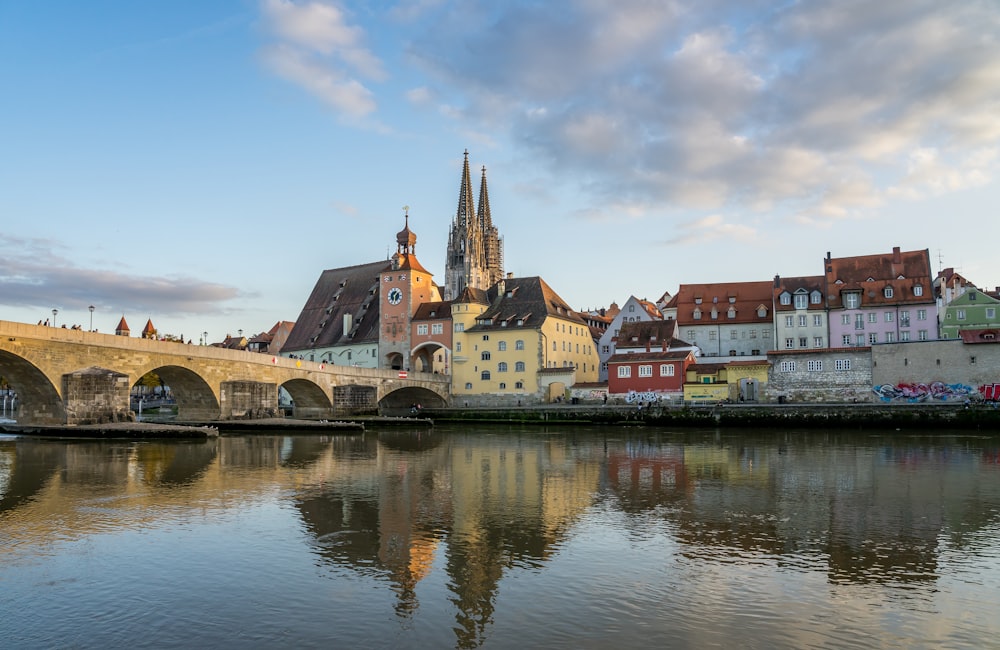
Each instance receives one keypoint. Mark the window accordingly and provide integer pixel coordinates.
(645, 371)
(733, 334)
(802, 320)
(814, 366)
(789, 321)
(845, 340)
(666, 370)
(437, 328)
(502, 366)
(421, 329)
(852, 300)
(887, 292)
(715, 314)
(786, 366)
(817, 341)
(766, 332)
(761, 312)
(815, 297)
(459, 327)
(801, 301)
(485, 356)
(803, 342)
(753, 334)
(918, 290)
(624, 372)
(872, 317)
(485, 375)
(731, 313)
(890, 337)
(468, 385)
(960, 314)
(697, 314)
(860, 339)
(502, 346)
(458, 346)
(789, 343)
(519, 385)
(518, 366)
(842, 364)
(486, 337)
(921, 314)
(605, 349)
(817, 320)
(691, 335)
(845, 319)
(904, 335)
(519, 345)
(859, 321)
(711, 335)
(991, 312)
(873, 338)
(904, 318)
(889, 316)
(786, 298)
(503, 386)
(922, 335)
(631, 308)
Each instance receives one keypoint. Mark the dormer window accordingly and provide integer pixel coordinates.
(697, 300)
(887, 292)
(801, 300)
(761, 312)
(852, 300)
(697, 314)
(918, 290)
(815, 297)
(786, 298)
(731, 313)
(715, 314)
(732, 299)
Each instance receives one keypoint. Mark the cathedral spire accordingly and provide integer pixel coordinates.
(485, 221)
(466, 215)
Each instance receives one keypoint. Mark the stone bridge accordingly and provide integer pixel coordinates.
(65, 376)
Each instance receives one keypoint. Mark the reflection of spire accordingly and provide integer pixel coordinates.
(475, 567)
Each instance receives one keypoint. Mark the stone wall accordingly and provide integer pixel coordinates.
(96, 396)
(948, 361)
(838, 375)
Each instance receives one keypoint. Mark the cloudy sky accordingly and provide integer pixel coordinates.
(200, 163)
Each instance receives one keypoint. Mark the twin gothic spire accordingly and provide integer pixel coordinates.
(475, 248)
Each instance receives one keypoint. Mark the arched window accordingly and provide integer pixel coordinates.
(519, 366)
(502, 346)
(519, 345)
(519, 385)
(502, 366)
(485, 356)
(485, 376)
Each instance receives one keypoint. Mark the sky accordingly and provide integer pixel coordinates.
(200, 164)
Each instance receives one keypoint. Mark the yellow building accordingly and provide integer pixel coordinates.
(518, 343)
(736, 381)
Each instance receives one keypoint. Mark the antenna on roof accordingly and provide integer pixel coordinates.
(940, 262)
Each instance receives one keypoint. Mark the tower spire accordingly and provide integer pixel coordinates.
(466, 215)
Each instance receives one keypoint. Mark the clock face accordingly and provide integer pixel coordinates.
(395, 295)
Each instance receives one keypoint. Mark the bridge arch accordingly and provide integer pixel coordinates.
(39, 401)
(309, 400)
(403, 398)
(196, 400)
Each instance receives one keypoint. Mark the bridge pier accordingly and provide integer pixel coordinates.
(248, 400)
(95, 396)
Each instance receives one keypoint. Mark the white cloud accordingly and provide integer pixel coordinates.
(348, 96)
(711, 228)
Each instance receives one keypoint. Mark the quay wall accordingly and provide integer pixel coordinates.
(985, 418)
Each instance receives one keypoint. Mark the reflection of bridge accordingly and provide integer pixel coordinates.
(65, 376)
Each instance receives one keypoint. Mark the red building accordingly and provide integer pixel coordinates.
(661, 371)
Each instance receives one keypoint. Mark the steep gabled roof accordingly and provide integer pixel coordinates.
(350, 291)
(799, 284)
(744, 297)
(871, 275)
(636, 334)
(660, 355)
(528, 300)
(433, 311)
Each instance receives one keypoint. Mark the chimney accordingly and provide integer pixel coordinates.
(648, 349)
(896, 257)
(777, 281)
(347, 323)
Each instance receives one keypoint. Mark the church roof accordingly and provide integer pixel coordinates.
(473, 295)
(349, 291)
(433, 311)
(122, 326)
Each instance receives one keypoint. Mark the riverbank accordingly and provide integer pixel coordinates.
(113, 430)
(890, 416)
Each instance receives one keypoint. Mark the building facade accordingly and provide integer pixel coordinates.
(634, 310)
(973, 309)
(725, 319)
(800, 320)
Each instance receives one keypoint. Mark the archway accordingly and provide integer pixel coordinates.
(309, 402)
(431, 357)
(394, 360)
(196, 402)
(38, 400)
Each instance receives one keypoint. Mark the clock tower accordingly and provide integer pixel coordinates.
(403, 287)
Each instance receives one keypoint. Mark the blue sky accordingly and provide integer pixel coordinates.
(200, 163)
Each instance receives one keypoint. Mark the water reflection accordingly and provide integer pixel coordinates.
(442, 518)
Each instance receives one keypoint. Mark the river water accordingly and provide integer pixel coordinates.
(463, 537)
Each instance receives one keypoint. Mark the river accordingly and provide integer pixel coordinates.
(494, 537)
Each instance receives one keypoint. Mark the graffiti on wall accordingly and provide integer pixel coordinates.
(990, 392)
(935, 390)
(634, 396)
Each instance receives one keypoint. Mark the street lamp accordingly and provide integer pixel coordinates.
(205, 336)
(91, 318)
(54, 312)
